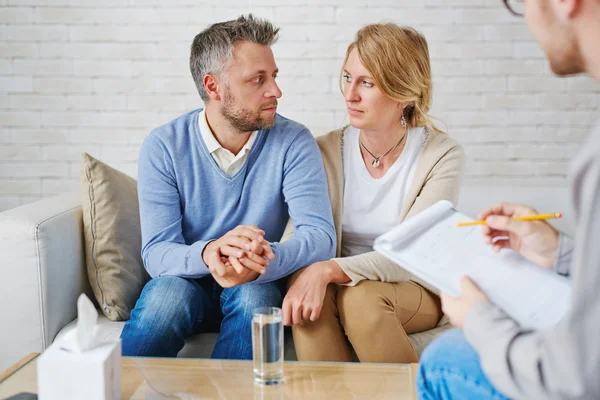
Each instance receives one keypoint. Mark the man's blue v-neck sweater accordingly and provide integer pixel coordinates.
(186, 200)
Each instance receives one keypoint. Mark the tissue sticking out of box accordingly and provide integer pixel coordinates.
(85, 335)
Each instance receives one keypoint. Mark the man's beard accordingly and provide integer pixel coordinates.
(243, 119)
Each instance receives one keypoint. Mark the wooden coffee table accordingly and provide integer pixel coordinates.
(176, 378)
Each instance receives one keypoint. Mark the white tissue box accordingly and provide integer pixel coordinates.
(91, 375)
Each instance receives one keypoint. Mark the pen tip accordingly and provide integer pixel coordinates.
(558, 215)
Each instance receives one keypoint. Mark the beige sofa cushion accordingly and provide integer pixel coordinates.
(112, 234)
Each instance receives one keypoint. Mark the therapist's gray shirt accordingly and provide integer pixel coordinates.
(563, 363)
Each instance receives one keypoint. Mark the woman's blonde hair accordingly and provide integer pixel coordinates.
(398, 60)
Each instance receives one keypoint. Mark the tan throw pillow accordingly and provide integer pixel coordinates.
(111, 226)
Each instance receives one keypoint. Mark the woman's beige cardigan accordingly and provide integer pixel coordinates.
(437, 177)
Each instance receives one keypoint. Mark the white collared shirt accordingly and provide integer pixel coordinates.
(228, 162)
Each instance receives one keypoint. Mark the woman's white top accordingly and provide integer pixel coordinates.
(372, 205)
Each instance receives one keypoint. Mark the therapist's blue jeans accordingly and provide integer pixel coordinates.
(449, 368)
(171, 308)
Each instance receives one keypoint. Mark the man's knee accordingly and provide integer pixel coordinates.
(167, 300)
(249, 296)
(447, 350)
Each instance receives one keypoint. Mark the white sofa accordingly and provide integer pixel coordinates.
(43, 272)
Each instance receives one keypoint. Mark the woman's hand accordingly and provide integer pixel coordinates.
(304, 299)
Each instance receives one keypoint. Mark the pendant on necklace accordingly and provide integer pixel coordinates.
(375, 163)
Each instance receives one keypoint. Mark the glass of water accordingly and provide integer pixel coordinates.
(267, 345)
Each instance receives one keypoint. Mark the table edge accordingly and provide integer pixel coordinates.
(21, 363)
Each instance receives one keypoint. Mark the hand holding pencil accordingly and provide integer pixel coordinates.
(522, 229)
(532, 217)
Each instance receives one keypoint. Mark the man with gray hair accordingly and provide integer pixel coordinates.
(216, 189)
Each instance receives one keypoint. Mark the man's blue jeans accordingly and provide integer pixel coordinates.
(449, 369)
(171, 308)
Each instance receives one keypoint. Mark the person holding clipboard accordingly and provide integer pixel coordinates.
(491, 356)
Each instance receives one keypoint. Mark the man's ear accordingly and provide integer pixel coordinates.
(211, 85)
(568, 8)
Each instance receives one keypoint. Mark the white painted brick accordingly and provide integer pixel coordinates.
(108, 119)
(19, 187)
(102, 51)
(569, 101)
(37, 102)
(36, 136)
(30, 33)
(20, 153)
(5, 103)
(112, 153)
(527, 50)
(102, 68)
(17, 15)
(15, 84)
(401, 15)
(120, 85)
(304, 50)
(304, 15)
(507, 32)
(550, 152)
(35, 169)
(30, 198)
(510, 101)
(63, 15)
(172, 102)
(96, 102)
(47, 68)
(96, 135)
(477, 16)
(300, 84)
(8, 202)
(37, 2)
(172, 51)
(319, 102)
(6, 67)
(469, 51)
(131, 33)
(226, 13)
(583, 83)
(469, 85)
(184, 85)
(45, 84)
(128, 16)
(175, 67)
(453, 33)
(70, 152)
(518, 181)
(18, 50)
(515, 67)
(529, 84)
(319, 33)
(20, 119)
(52, 186)
(457, 101)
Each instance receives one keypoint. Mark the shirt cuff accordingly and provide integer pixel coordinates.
(354, 278)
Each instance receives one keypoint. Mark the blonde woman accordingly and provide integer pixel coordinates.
(389, 164)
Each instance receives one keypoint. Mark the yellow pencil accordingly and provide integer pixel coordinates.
(536, 217)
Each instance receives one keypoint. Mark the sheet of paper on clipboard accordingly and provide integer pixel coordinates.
(433, 248)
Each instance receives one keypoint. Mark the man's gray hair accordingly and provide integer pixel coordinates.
(212, 49)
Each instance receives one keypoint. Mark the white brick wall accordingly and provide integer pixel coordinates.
(98, 75)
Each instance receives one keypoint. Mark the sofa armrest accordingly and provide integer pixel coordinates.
(42, 272)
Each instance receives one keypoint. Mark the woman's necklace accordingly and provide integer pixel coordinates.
(376, 162)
